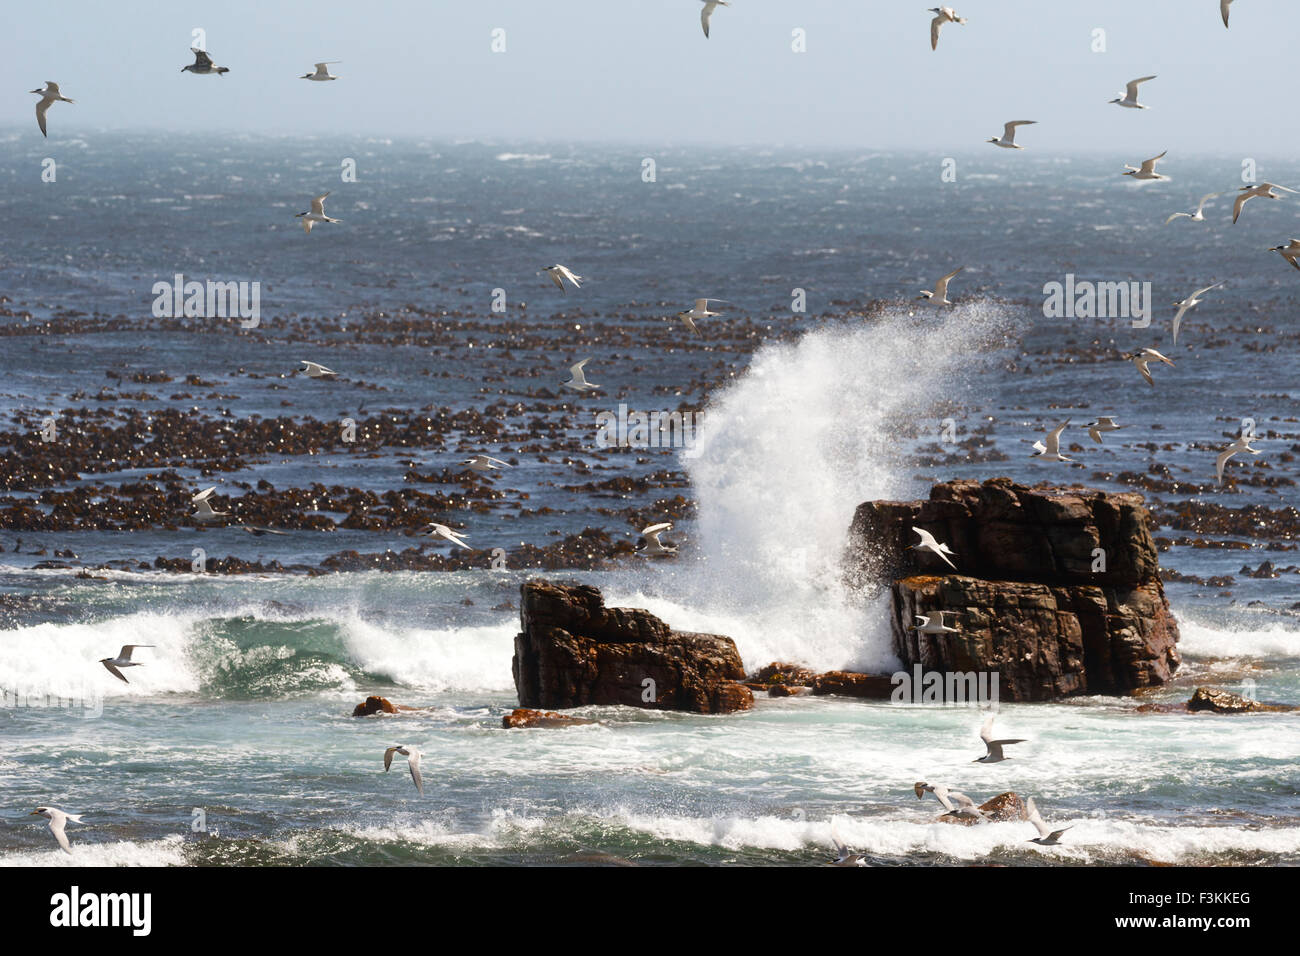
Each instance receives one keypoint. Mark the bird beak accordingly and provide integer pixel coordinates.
(34, 813)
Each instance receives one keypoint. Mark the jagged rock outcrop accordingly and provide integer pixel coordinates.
(1222, 702)
(1056, 589)
(1000, 809)
(573, 651)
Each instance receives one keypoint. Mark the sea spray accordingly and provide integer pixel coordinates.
(786, 453)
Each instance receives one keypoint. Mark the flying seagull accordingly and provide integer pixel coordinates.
(1289, 252)
(1144, 358)
(412, 759)
(442, 531)
(1130, 98)
(1102, 424)
(48, 95)
(203, 508)
(316, 215)
(1247, 193)
(203, 64)
(1239, 446)
(843, 855)
(1147, 170)
(707, 12)
(1046, 835)
(322, 72)
(1223, 9)
(58, 820)
(123, 659)
(942, 15)
(485, 463)
(698, 311)
(1190, 302)
(1052, 450)
(1199, 215)
(559, 273)
(579, 381)
(940, 294)
(928, 543)
(932, 623)
(952, 801)
(994, 747)
(1008, 140)
(653, 547)
(315, 370)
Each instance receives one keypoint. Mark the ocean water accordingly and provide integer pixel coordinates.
(241, 710)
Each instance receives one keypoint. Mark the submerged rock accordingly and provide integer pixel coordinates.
(573, 651)
(1221, 702)
(1057, 590)
(522, 717)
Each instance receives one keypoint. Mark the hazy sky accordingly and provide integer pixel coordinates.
(641, 71)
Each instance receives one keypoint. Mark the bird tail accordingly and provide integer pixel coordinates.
(75, 817)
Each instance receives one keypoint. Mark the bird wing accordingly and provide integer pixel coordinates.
(704, 17)
(657, 528)
(1223, 460)
(42, 106)
(1094, 434)
(686, 317)
(204, 495)
(1009, 130)
(941, 792)
(1240, 201)
(1053, 447)
(941, 287)
(1131, 91)
(1200, 292)
(114, 671)
(1035, 818)
(1223, 9)
(1176, 215)
(1039, 447)
(840, 847)
(56, 825)
(927, 539)
(568, 274)
(1055, 835)
(388, 757)
(1149, 165)
(1206, 198)
(318, 205)
(125, 653)
(986, 732)
(961, 799)
(307, 224)
(496, 461)
(1146, 372)
(413, 761)
(935, 24)
(201, 57)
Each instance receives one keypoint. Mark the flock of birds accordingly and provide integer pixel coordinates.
(954, 802)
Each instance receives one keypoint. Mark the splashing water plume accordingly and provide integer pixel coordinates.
(813, 429)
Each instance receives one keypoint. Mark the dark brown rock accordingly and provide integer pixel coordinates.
(521, 717)
(781, 672)
(848, 684)
(1058, 591)
(573, 651)
(374, 705)
(1221, 702)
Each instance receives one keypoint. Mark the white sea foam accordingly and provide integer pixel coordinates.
(1274, 641)
(168, 851)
